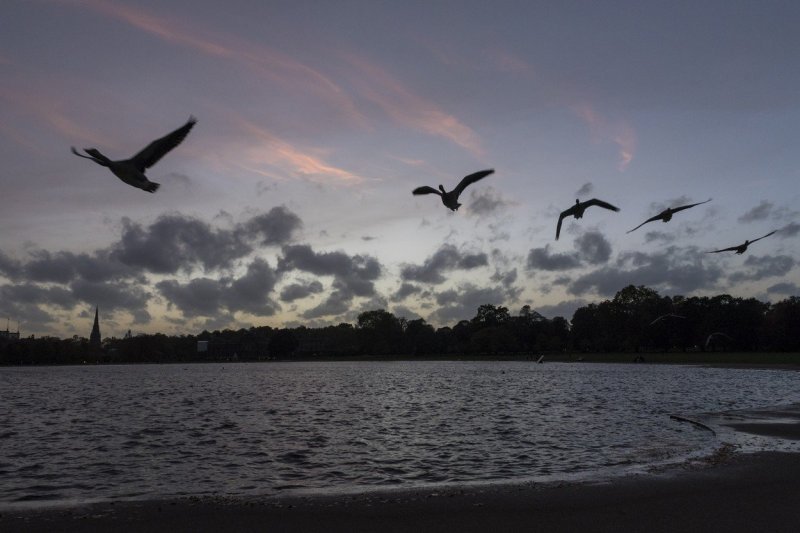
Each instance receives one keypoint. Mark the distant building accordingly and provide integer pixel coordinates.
(8, 335)
(94, 339)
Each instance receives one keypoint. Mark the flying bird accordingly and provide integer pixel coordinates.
(578, 209)
(742, 247)
(450, 199)
(666, 214)
(664, 317)
(131, 171)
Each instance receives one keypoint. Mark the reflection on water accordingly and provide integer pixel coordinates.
(80, 433)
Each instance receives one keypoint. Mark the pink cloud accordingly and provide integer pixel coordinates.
(410, 109)
(276, 152)
(261, 60)
(620, 132)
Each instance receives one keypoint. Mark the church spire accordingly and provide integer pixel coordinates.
(94, 338)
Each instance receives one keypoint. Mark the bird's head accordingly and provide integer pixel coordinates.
(441, 188)
(577, 202)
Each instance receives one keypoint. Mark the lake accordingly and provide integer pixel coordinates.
(76, 434)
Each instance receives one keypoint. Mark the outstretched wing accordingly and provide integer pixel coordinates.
(425, 190)
(600, 203)
(731, 249)
(472, 178)
(767, 235)
(651, 219)
(681, 208)
(159, 148)
(561, 218)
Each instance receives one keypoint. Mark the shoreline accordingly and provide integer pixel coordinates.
(726, 492)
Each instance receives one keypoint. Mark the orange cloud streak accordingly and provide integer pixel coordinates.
(410, 109)
(277, 152)
(620, 132)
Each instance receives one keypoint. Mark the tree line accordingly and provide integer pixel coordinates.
(636, 320)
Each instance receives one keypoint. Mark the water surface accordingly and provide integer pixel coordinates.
(151, 431)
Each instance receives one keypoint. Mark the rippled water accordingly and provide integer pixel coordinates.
(149, 431)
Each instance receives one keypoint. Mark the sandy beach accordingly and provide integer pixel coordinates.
(736, 492)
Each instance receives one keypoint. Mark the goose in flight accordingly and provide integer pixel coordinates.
(131, 171)
(450, 199)
(664, 317)
(666, 214)
(742, 247)
(578, 209)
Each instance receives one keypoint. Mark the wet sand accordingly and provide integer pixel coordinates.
(753, 492)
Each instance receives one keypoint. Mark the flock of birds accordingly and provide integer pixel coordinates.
(131, 171)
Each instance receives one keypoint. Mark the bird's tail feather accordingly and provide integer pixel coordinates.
(152, 186)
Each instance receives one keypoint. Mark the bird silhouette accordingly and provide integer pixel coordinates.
(666, 316)
(578, 209)
(450, 199)
(666, 214)
(742, 247)
(131, 171)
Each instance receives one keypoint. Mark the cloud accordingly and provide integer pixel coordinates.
(408, 108)
(487, 201)
(298, 291)
(674, 269)
(585, 189)
(784, 288)
(565, 308)
(659, 236)
(354, 276)
(295, 161)
(114, 296)
(30, 293)
(463, 303)
(445, 259)
(789, 230)
(542, 259)
(766, 266)
(760, 212)
(274, 228)
(405, 290)
(593, 248)
(208, 297)
(9, 267)
(177, 242)
(619, 132)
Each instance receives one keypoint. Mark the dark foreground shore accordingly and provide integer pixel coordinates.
(756, 492)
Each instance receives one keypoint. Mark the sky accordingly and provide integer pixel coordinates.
(290, 201)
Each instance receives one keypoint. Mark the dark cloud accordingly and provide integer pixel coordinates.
(367, 238)
(766, 266)
(789, 230)
(9, 267)
(659, 236)
(486, 201)
(208, 297)
(402, 311)
(298, 291)
(674, 269)
(760, 212)
(784, 288)
(337, 303)
(593, 248)
(564, 309)
(114, 296)
(405, 290)
(542, 259)
(177, 242)
(250, 293)
(274, 228)
(585, 189)
(47, 267)
(455, 305)
(198, 297)
(445, 259)
(352, 274)
(29, 293)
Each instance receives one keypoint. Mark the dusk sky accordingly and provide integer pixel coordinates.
(290, 201)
